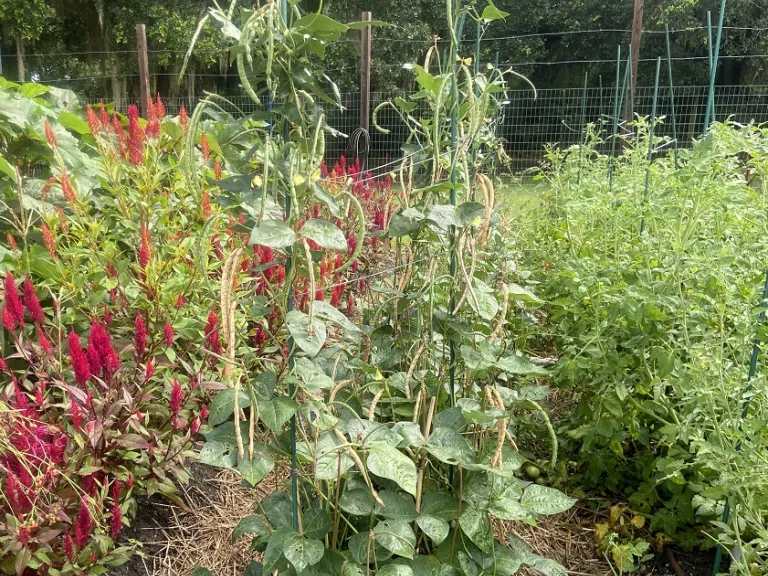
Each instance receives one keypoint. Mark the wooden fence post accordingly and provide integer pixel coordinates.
(365, 72)
(141, 46)
(637, 31)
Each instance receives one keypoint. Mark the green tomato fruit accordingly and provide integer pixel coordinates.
(533, 471)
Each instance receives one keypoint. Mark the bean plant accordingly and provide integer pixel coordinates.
(396, 421)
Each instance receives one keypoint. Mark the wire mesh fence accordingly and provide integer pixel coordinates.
(528, 124)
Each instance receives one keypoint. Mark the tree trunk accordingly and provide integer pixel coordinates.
(20, 57)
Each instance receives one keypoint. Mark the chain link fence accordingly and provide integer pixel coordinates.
(527, 124)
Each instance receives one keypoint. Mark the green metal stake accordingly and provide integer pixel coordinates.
(291, 345)
(478, 31)
(671, 96)
(709, 53)
(615, 119)
(477, 47)
(650, 140)
(745, 408)
(710, 115)
(583, 125)
(600, 84)
(495, 125)
(627, 77)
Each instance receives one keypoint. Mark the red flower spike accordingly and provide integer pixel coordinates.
(94, 124)
(217, 169)
(32, 304)
(195, 425)
(50, 136)
(16, 495)
(205, 147)
(9, 322)
(176, 399)
(159, 109)
(66, 187)
(143, 255)
(336, 295)
(39, 396)
(116, 522)
(11, 241)
(48, 240)
(183, 118)
(43, 341)
(75, 414)
(168, 335)
(140, 337)
(69, 548)
(20, 400)
(12, 299)
(149, 371)
(204, 413)
(79, 360)
(104, 117)
(319, 294)
(205, 204)
(83, 524)
(117, 488)
(136, 137)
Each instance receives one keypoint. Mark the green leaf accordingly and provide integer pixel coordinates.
(276, 545)
(365, 23)
(33, 89)
(279, 510)
(395, 570)
(388, 462)
(444, 216)
(249, 525)
(448, 446)
(396, 536)
(254, 470)
(520, 365)
(74, 122)
(434, 527)
(223, 406)
(264, 384)
(325, 234)
(218, 453)
(545, 566)
(297, 323)
(403, 225)
(545, 500)
(327, 312)
(199, 570)
(358, 547)
(475, 360)
(440, 505)
(506, 505)
(477, 526)
(316, 522)
(7, 169)
(358, 502)
(276, 412)
(303, 552)
(410, 432)
(327, 464)
(451, 418)
(490, 12)
(486, 306)
(254, 569)
(321, 26)
(396, 505)
(272, 233)
(517, 292)
(471, 213)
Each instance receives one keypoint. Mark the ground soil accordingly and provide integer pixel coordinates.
(693, 563)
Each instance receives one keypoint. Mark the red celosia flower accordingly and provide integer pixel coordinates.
(43, 341)
(75, 414)
(260, 337)
(323, 170)
(205, 204)
(83, 524)
(211, 332)
(9, 322)
(69, 548)
(204, 413)
(20, 400)
(319, 294)
(79, 360)
(180, 301)
(66, 187)
(183, 118)
(104, 117)
(107, 316)
(129, 483)
(136, 136)
(117, 126)
(195, 425)
(101, 355)
(13, 300)
(50, 136)
(143, 255)
(11, 241)
(336, 295)
(217, 169)
(177, 397)
(62, 220)
(116, 522)
(40, 395)
(16, 494)
(93, 121)
(149, 371)
(159, 108)
(117, 488)
(31, 303)
(168, 333)
(350, 303)
(48, 240)
(140, 337)
(205, 147)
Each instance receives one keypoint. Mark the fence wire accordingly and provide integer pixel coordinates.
(526, 124)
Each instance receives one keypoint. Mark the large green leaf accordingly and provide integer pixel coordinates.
(506, 504)
(325, 234)
(388, 462)
(303, 552)
(327, 312)
(249, 525)
(218, 453)
(273, 233)
(327, 456)
(545, 500)
(517, 292)
(441, 505)
(448, 446)
(223, 406)
(279, 509)
(444, 215)
(357, 502)
(395, 570)
(276, 545)
(254, 470)
(490, 12)
(396, 505)
(276, 412)
(517, 364)
(477, 526)
(396, 536)
(434, 527)
(484, 302)
(298, 327)
(316, 522)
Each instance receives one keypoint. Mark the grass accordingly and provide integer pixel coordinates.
(519, 198)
